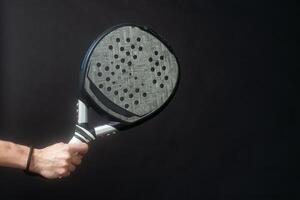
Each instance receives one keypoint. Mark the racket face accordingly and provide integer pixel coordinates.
(129, 73)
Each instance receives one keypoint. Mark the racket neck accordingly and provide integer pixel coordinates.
(82, 113)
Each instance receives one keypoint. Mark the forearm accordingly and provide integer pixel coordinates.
(13, 155)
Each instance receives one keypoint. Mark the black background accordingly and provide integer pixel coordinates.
(224, 136)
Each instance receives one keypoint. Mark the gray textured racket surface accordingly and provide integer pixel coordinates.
(133, 70)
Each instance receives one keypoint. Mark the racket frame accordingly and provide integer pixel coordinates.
(84, 99)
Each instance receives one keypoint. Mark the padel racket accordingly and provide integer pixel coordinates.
(128, 75)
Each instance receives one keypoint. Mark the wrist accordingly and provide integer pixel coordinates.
(35, 161)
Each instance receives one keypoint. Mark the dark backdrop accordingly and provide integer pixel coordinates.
(224, 136)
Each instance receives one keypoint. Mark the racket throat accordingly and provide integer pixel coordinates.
(104, 130)
(82, 131)
(82, 113)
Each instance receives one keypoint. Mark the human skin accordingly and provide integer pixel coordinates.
(55, 161)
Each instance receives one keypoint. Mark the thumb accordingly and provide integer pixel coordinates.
(80, 148)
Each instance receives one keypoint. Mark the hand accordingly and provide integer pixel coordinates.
(57, 160)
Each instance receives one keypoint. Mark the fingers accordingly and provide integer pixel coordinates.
(59, 160)
(80, 148)
(65, 170)
(72, 168)
(72, 158)
(76, 159)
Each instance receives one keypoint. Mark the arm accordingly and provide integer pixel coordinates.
(13, 155)
(54, 161)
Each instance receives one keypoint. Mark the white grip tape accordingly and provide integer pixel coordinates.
(74, 140)
(100, 131)
(85, 131)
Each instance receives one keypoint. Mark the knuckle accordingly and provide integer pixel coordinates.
(73, 168)
(77, 162)
(63, 171)
(65, 164)
(67, 156)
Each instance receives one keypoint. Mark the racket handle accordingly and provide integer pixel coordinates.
(74, 140)
(83, 135)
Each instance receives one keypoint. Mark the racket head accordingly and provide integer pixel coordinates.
(128, 75)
